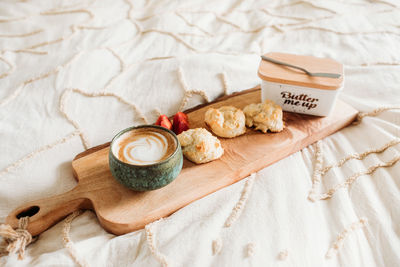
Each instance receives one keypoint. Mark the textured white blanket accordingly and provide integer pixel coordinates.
(73, 73)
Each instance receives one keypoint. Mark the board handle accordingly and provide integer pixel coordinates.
(46, 212)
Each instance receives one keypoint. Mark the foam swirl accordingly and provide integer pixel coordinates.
(142, 148)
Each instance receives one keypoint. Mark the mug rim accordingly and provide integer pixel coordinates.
(145, 126)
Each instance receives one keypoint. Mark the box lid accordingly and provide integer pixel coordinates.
(282, 74)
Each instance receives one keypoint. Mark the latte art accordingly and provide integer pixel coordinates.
(144, 149)
(144, 146)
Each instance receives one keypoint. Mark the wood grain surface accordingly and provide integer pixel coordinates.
(121, 210)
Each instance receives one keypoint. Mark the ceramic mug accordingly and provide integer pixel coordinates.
(150, 176)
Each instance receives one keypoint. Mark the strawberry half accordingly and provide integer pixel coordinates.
(164, 122)
(181, 127)
(180, 116)
(180, 123)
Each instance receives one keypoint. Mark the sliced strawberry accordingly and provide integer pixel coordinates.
(181, 127)
(180, 116)
(164, 122)
(180, 123)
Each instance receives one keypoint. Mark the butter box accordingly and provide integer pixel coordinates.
(294, 90)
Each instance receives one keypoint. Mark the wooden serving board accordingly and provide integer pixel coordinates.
(121, 210)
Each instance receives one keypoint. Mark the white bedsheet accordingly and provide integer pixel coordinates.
(134, 50)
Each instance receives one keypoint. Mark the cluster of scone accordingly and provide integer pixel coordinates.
(200, 146)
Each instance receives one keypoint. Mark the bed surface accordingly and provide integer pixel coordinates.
(74, 73)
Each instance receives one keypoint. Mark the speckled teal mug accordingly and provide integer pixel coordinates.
(145, 157)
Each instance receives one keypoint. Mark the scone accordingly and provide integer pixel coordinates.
(200, 146)
(264, 116)
(226, 121)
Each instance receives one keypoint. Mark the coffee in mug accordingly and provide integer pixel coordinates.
(145, 157)
(144, 146)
